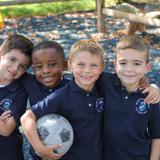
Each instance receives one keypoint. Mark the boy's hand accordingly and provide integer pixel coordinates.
(153, 94)
(47, 152)
(144, 83)
(5, 115)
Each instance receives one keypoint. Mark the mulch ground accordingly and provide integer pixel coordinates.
(68, 28)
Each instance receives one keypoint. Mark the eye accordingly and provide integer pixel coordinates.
(37, 67)
(23, 68)
(122, 63)
(12, 59)
(52, 64)
(80, 64)
(94, 65)
(137, 64)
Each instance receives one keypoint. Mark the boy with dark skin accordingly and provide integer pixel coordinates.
(79, 101)
(48, 62)
(86, 61)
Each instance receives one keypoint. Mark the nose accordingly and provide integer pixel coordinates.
(87, 69)
(46, 69)
(15, 68)
(129, 67)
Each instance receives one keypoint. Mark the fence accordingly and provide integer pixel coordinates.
(101, 13)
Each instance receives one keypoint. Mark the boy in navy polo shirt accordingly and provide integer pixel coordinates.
(15, 58)
(48, 61)
(45, 55)
(132, 129)
(80, 101)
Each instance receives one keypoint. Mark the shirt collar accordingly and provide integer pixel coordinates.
(13, 86)
(60, 85)
(76, 88)
(117, 83)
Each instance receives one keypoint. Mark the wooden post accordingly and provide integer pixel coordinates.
(100, 16)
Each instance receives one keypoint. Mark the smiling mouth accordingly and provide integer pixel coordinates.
(47, 78)
(87, 77)
(130, 76)
(12, 74)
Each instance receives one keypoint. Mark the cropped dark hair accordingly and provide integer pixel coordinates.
(19, 42)
(50, 44)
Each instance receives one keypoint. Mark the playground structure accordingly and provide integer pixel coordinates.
(137, 20)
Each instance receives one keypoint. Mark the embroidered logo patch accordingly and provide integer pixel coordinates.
(100, 104)
(141, 107)
(5, 104)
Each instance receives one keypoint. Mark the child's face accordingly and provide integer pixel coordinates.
(48, 66)
(13, 65)
(86, 69)
(131, 66)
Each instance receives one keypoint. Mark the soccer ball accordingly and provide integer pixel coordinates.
(55, 129)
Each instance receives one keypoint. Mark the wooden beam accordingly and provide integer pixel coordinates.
(100, 16)
(132, 17)
(19, 2)
(153, 14)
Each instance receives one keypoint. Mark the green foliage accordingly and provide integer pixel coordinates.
(44, 9)
(114, 2)
(47, 8)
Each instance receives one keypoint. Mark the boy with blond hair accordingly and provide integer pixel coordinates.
(80, 101)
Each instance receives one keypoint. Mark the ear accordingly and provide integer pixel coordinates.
(69, 66)
(115, 66)
(65, 67)
(148, 68)
(103, 66)
(1, 52)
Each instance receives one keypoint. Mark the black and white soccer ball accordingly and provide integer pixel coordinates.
(55, 129)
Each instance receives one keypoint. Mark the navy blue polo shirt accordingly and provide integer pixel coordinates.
(129, 124)
(84, 110)
(12, 97)
(36, 90)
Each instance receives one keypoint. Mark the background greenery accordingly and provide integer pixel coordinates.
(47, 8)
(55, 7)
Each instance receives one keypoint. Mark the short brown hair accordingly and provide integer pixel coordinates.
(19, 42)
(89, 45)
(133, 42)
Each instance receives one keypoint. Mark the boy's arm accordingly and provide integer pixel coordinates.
(152, 90)
(28, 122)
(155, 150)
(5, 115)
(153, 94)
(7, 127)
